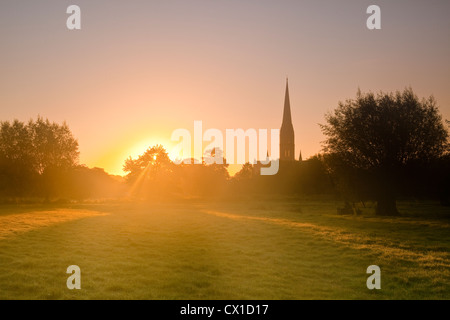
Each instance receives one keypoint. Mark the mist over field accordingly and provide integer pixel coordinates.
(258, 249)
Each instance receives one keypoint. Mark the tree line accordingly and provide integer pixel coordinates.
(39, 159)
(378, 147)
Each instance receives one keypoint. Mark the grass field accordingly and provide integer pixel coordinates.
(272, 249)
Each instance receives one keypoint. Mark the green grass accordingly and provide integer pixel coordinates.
(272, 249)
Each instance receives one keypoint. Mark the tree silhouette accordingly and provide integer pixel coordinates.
(381, 135)
(245, 173)
(448, 144)
(53, 145)
(17, 176)
(151, 174)
(153, 159)
(33, 154)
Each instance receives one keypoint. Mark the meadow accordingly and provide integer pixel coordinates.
(247, 249)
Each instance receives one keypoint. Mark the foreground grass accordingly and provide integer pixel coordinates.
(289, 249)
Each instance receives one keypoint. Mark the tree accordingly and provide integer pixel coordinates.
(448, 144)
(32, 152)
(152, 159)
(53, 145)
(246, 172)
(381, 135)
(55, 153)
(313, 177)
(17, 176)
(151, 173)
(205, 179)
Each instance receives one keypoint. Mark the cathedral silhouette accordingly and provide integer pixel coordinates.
(287, 141)
(287, 137)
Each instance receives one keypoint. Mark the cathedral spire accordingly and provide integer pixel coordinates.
(287, 120)
(287, 144)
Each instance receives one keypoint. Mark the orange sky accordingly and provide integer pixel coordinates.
(138, 70)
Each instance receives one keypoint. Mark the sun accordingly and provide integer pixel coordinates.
(141, 146)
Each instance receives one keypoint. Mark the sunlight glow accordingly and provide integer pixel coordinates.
(139, 148)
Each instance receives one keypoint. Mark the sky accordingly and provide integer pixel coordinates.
(138, 70)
